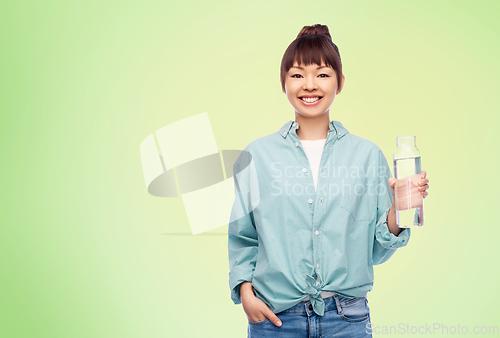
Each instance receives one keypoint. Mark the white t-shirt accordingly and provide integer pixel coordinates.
(314, 150)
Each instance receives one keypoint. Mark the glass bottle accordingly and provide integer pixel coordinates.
(409, 202)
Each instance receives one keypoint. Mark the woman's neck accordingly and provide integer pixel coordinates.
(313, 128)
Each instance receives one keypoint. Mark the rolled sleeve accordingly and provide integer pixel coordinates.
(386, 238)
(242, 237)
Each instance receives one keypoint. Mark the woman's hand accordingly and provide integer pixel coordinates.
(255, 309)
(423, 184)
(419, 183)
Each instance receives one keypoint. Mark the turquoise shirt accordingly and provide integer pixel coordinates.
(291, 241)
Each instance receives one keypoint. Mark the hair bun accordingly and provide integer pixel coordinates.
(317, 29)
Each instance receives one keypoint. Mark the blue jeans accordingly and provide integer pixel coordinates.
(343, 317)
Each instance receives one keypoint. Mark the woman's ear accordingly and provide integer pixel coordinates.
(339, 88)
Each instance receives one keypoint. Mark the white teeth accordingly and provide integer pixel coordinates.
(310, 99)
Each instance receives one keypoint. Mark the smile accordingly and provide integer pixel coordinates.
(310, 101)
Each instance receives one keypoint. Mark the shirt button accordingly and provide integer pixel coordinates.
(304, 170)
(294, 124)
(316, 232)
(310, 307)
(296, 144)
(324, 172)
(321, 200)
(284, 133)
(317, 265)
(339, 133)
(310, 201)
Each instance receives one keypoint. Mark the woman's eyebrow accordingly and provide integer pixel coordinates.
(319, 67)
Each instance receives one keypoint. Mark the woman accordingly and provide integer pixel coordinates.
(314, 210)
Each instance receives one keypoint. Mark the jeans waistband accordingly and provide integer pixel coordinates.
(324, 294)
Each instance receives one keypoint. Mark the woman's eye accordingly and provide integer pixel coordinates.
(298, 75)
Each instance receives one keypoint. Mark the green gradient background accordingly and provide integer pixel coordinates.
(84, 249)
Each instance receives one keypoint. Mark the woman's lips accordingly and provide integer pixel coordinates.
(310, 103)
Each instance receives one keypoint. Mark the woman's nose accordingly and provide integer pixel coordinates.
(310, 84)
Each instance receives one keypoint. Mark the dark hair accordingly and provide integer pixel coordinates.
(313, 45)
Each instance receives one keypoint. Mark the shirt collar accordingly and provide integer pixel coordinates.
(334, 126)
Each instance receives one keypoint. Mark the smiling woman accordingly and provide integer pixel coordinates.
(301, 260)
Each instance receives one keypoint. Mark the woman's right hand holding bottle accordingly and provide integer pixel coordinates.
(255, 309)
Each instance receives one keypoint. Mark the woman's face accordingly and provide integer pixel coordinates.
(311, 89)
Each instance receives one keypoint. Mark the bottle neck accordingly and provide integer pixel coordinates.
(406, 147)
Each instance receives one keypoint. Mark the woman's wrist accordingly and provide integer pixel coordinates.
(246, 289)
(391, 221)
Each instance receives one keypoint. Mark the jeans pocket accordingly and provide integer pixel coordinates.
(258, 323)
(355, 310)
(358, 198)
